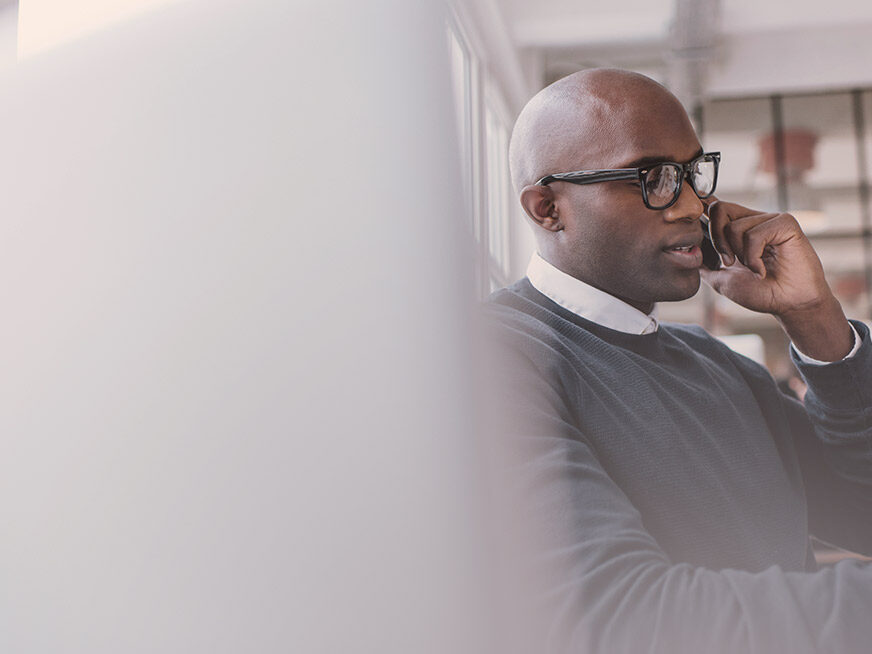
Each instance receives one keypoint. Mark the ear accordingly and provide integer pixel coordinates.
(538, 202)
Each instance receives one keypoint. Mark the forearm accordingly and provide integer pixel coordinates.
(836, 457)
(681, 609)
(604, 584)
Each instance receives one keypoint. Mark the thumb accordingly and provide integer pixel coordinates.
(714, 278)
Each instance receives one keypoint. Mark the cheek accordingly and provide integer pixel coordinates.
(612, 251)
(617, 230)
(609, 230)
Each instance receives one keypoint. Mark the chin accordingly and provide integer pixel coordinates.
(679, 292)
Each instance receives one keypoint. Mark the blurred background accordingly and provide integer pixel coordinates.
(782, 90)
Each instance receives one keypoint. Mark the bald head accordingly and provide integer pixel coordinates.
(570, 124)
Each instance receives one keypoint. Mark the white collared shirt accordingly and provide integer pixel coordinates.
(604, 309)
(588, 302)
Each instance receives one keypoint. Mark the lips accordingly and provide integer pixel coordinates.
(685, 243)
(686, 252)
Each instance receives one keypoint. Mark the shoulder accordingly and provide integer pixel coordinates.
(522, 331)
(523, 317)
(516, 310)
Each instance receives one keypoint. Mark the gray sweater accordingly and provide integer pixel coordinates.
(670, 488)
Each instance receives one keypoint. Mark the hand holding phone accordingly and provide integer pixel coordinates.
(774, 269)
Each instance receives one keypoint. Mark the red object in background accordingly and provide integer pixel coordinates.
(798, 155)
(849, 286)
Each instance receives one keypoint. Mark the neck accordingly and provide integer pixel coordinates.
(644, 307)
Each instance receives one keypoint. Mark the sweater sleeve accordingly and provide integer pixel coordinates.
(602, 583)
(836, 453)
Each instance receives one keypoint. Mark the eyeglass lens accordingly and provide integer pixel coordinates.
(663, 182)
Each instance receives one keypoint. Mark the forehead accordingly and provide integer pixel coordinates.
(635, 127)
(655, 147)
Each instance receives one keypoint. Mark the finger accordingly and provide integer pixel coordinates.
(736, 231)
(720, 215)
(711, 277)
(734, 210)
(717, 219)
(769, 233)
(717, 279)
(726, 280)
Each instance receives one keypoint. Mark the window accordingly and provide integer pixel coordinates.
(499, 195)
(461, 78)
(483, 127)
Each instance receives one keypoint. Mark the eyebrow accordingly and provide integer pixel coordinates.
(648, 161)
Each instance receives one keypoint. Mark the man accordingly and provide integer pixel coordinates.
(668, 487)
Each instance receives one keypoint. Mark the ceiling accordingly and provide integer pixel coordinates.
(568, 23)
(704, 48)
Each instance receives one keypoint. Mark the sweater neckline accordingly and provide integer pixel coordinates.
(614, 336)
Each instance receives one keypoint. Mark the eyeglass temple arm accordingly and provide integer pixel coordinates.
(591, 176)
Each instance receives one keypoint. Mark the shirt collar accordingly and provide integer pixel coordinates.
(588, 302)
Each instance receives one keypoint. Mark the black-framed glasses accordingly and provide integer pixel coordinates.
(661, 183)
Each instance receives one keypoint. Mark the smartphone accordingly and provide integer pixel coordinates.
(710, 257)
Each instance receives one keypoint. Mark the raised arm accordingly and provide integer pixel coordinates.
(771, 267)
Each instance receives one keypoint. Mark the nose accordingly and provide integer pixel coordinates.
(687, 207)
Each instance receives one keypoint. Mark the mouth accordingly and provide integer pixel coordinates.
(686, 254)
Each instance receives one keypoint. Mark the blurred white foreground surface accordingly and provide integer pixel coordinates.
(45, 24)
(232, 414)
